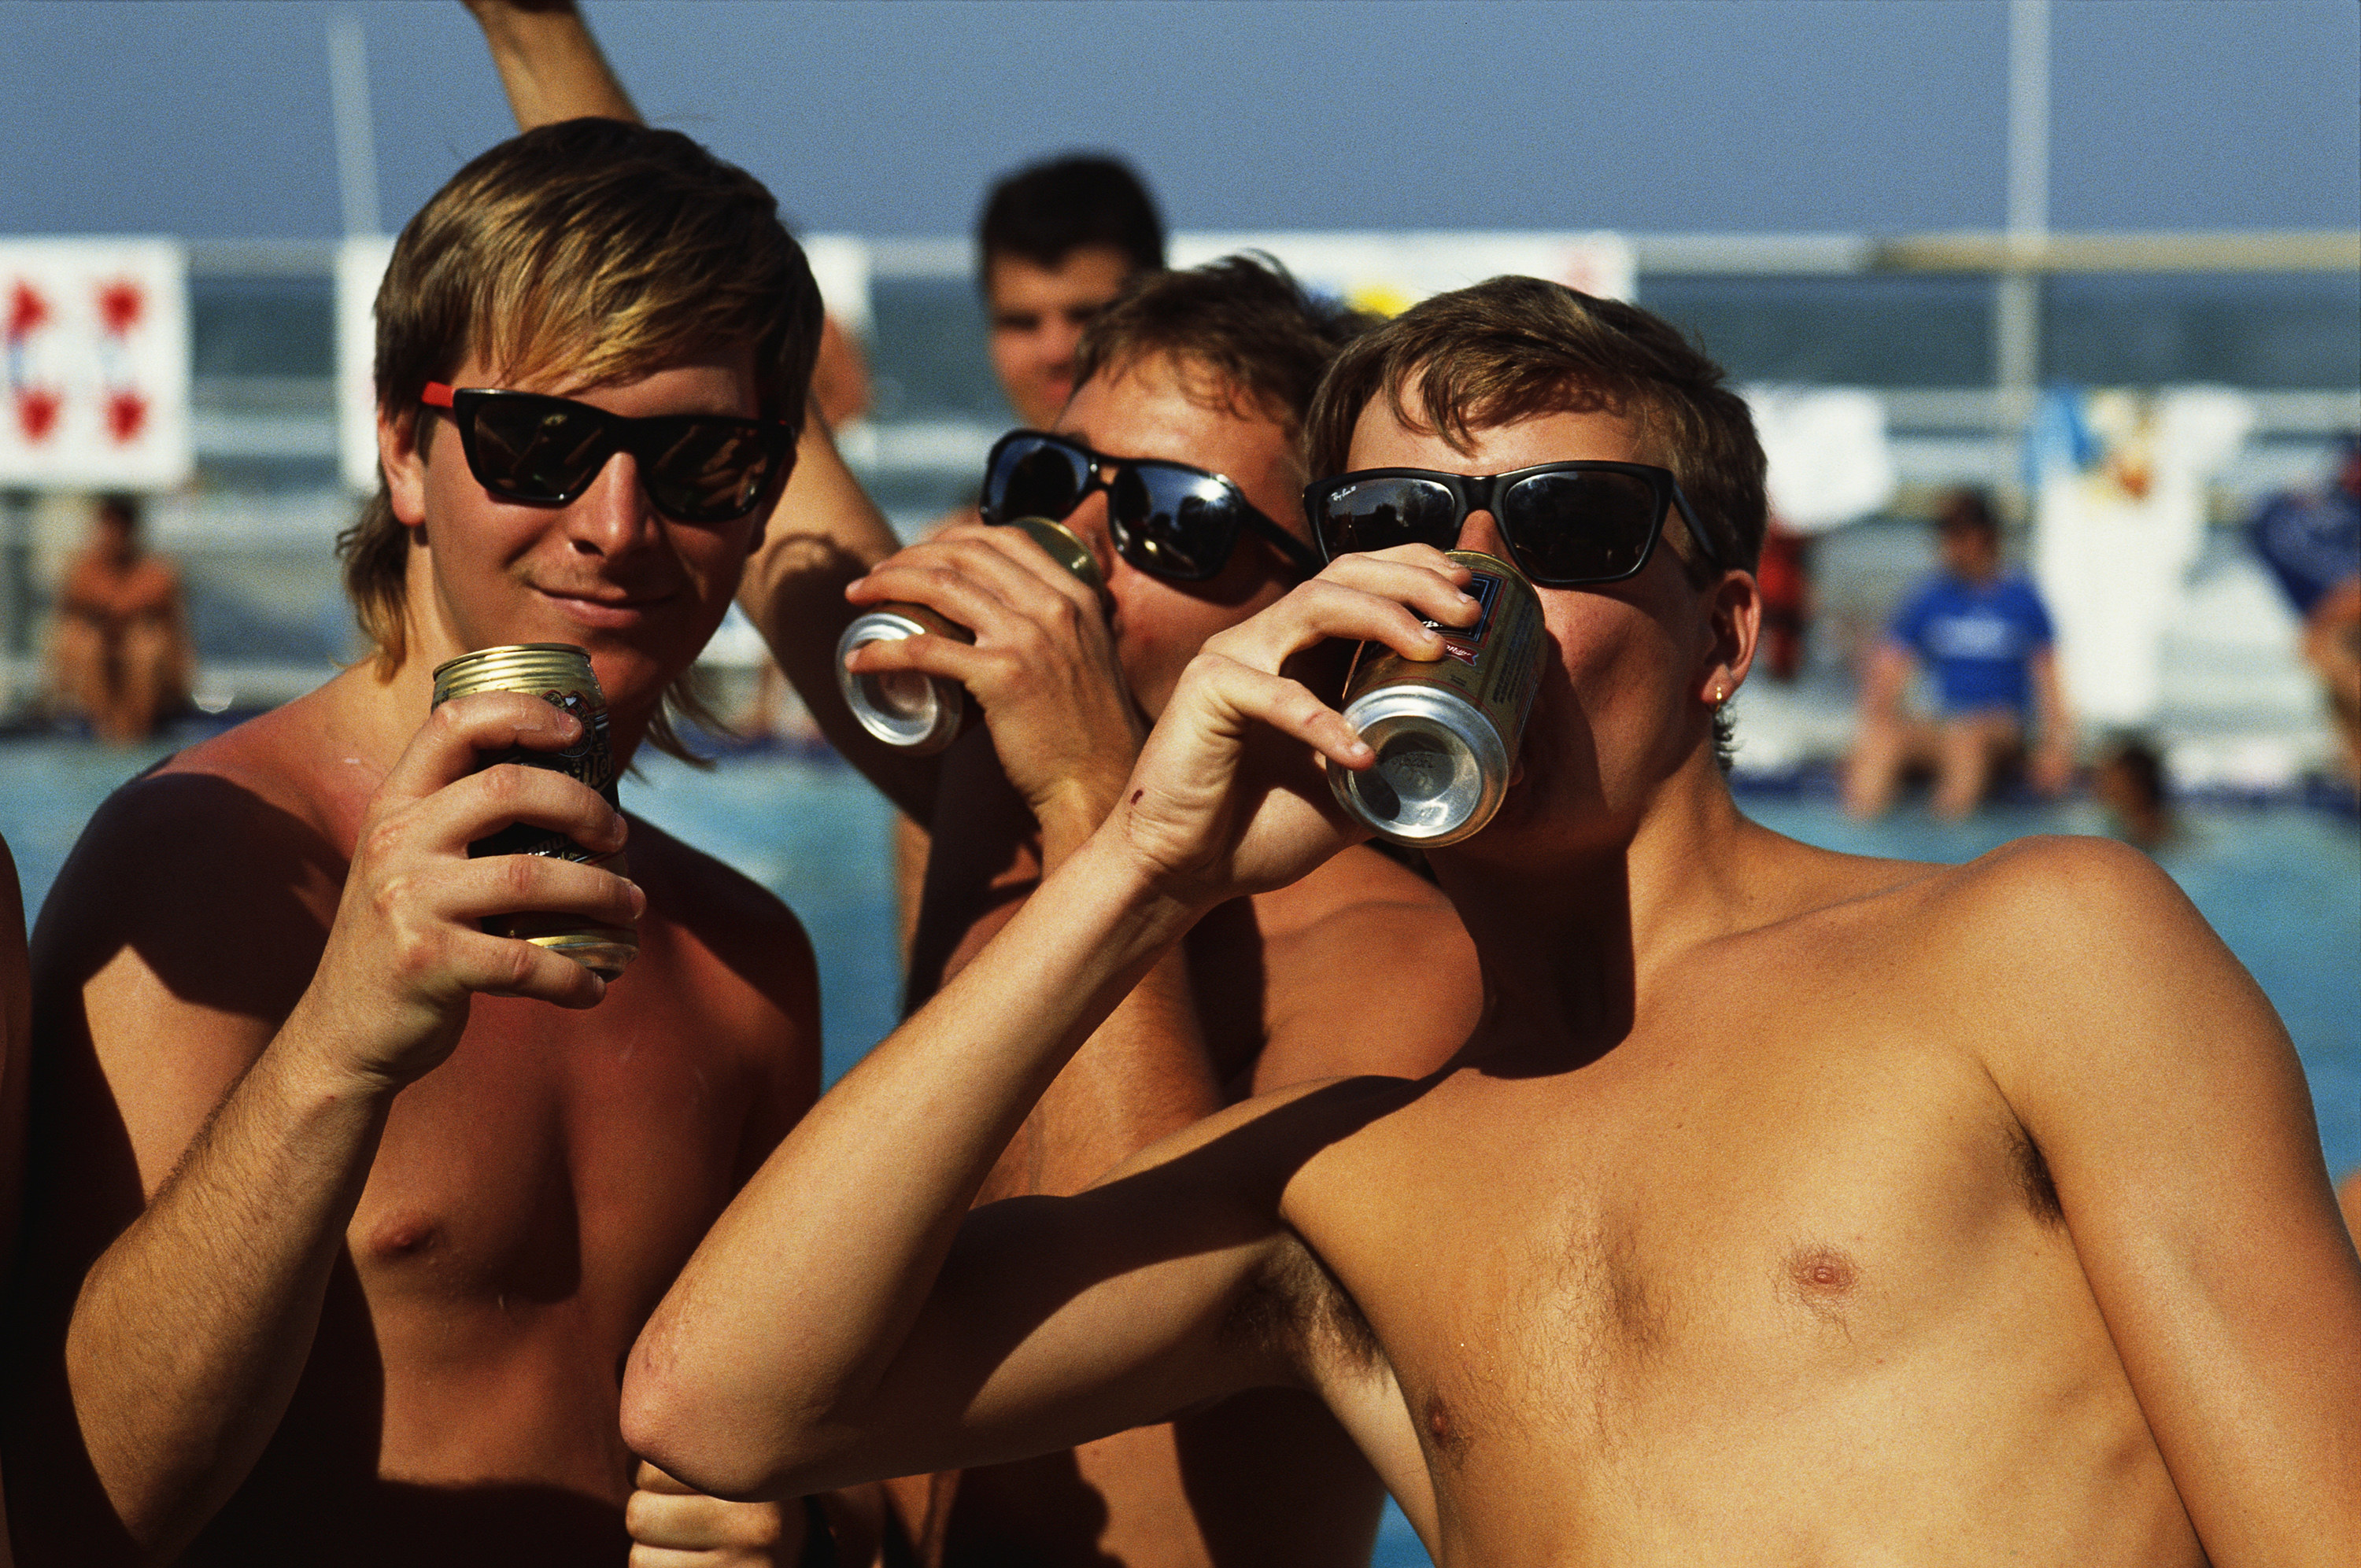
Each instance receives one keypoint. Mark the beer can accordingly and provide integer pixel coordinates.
(1446, 731)
(921, 713)
(560, 674)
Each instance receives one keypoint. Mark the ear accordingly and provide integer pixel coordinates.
(399, 455)
(1734, 621)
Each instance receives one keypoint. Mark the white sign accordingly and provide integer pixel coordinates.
(1829, 463)
(360, 266)
(95, 364)
(1388, 273)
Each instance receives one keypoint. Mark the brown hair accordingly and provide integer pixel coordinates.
(1514, 347)
(1242, 324)
(601, 248)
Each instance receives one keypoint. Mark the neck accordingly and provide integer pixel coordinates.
(1571, 942)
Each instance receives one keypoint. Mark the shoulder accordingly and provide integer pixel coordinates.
(1368, 969)
(729, 920)
(2076, 948)
(218, 868)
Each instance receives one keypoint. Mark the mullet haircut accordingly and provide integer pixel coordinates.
(1242, 331)
(593, 249)
(1046, 211)
(1513, 348)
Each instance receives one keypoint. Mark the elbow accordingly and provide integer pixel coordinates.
(718, 1440)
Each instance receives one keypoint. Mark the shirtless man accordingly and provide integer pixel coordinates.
(120, 649)
(1784, 1207)
(351, 1209)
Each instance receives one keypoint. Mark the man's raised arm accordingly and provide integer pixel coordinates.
(549, 64)
(847, 1317)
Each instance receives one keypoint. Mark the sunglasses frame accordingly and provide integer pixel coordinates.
(622, 433)
(1482, 492)
(1251, 518)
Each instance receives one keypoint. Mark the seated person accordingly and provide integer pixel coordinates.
(1985, 639)
(356, 1206)
(2312, 542)
(119, 652)
(1785, 1205)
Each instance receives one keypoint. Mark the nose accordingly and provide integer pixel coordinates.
(1088, 522)
(1481, 531)
(614, 516)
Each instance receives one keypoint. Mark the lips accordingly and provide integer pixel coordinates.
(608, 609)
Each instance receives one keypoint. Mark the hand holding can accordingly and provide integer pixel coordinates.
(921, 713)
(560, 674)
(1445, 731)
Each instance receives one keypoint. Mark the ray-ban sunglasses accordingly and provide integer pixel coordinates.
(545, 451)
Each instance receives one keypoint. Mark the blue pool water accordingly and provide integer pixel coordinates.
(2282, 885)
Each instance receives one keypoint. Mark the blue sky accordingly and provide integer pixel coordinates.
(887, 116)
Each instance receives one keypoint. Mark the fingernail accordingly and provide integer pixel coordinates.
(1359, 748)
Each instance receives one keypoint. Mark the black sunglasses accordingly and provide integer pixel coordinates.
(1566, 525)
(1167, 519)
(527, 446)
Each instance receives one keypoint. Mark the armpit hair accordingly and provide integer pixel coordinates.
(1297, 1310)
(2033, 1176)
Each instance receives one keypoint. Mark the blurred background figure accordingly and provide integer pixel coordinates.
(1985, 640)
(119, 652)
(2310, 540)
(1829, 465)
(2130, 780)
(1054, 244)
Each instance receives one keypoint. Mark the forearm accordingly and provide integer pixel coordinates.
(549, 64)
(189, 1334)
(771, 1345)
(824, 533)
(1142, 1076)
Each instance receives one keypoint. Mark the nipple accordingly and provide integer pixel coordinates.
(1821, 1273)
(404, 1235)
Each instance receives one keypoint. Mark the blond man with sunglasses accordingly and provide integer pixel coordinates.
(350, 1208)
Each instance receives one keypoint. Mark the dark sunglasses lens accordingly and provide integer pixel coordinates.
(1034, 478)
(1579, 527)
(704, 470)
(1173, 524)
(1377, 514)
(537, 449)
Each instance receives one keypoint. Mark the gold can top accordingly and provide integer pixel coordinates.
(519, 666)
(1064, 548)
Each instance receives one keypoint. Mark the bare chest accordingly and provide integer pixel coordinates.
(558, 1158)
(1695, 1250)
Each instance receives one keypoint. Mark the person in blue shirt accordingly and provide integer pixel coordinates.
(2310, 540)
(1985, 640)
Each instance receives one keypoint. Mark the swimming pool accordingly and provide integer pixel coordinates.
(2281, 885)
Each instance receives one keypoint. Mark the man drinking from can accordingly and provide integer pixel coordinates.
(1784, 1206)
(353, 1206)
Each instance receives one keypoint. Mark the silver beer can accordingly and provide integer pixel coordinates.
(1446, 731)
(560, 674)
(919, 713)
